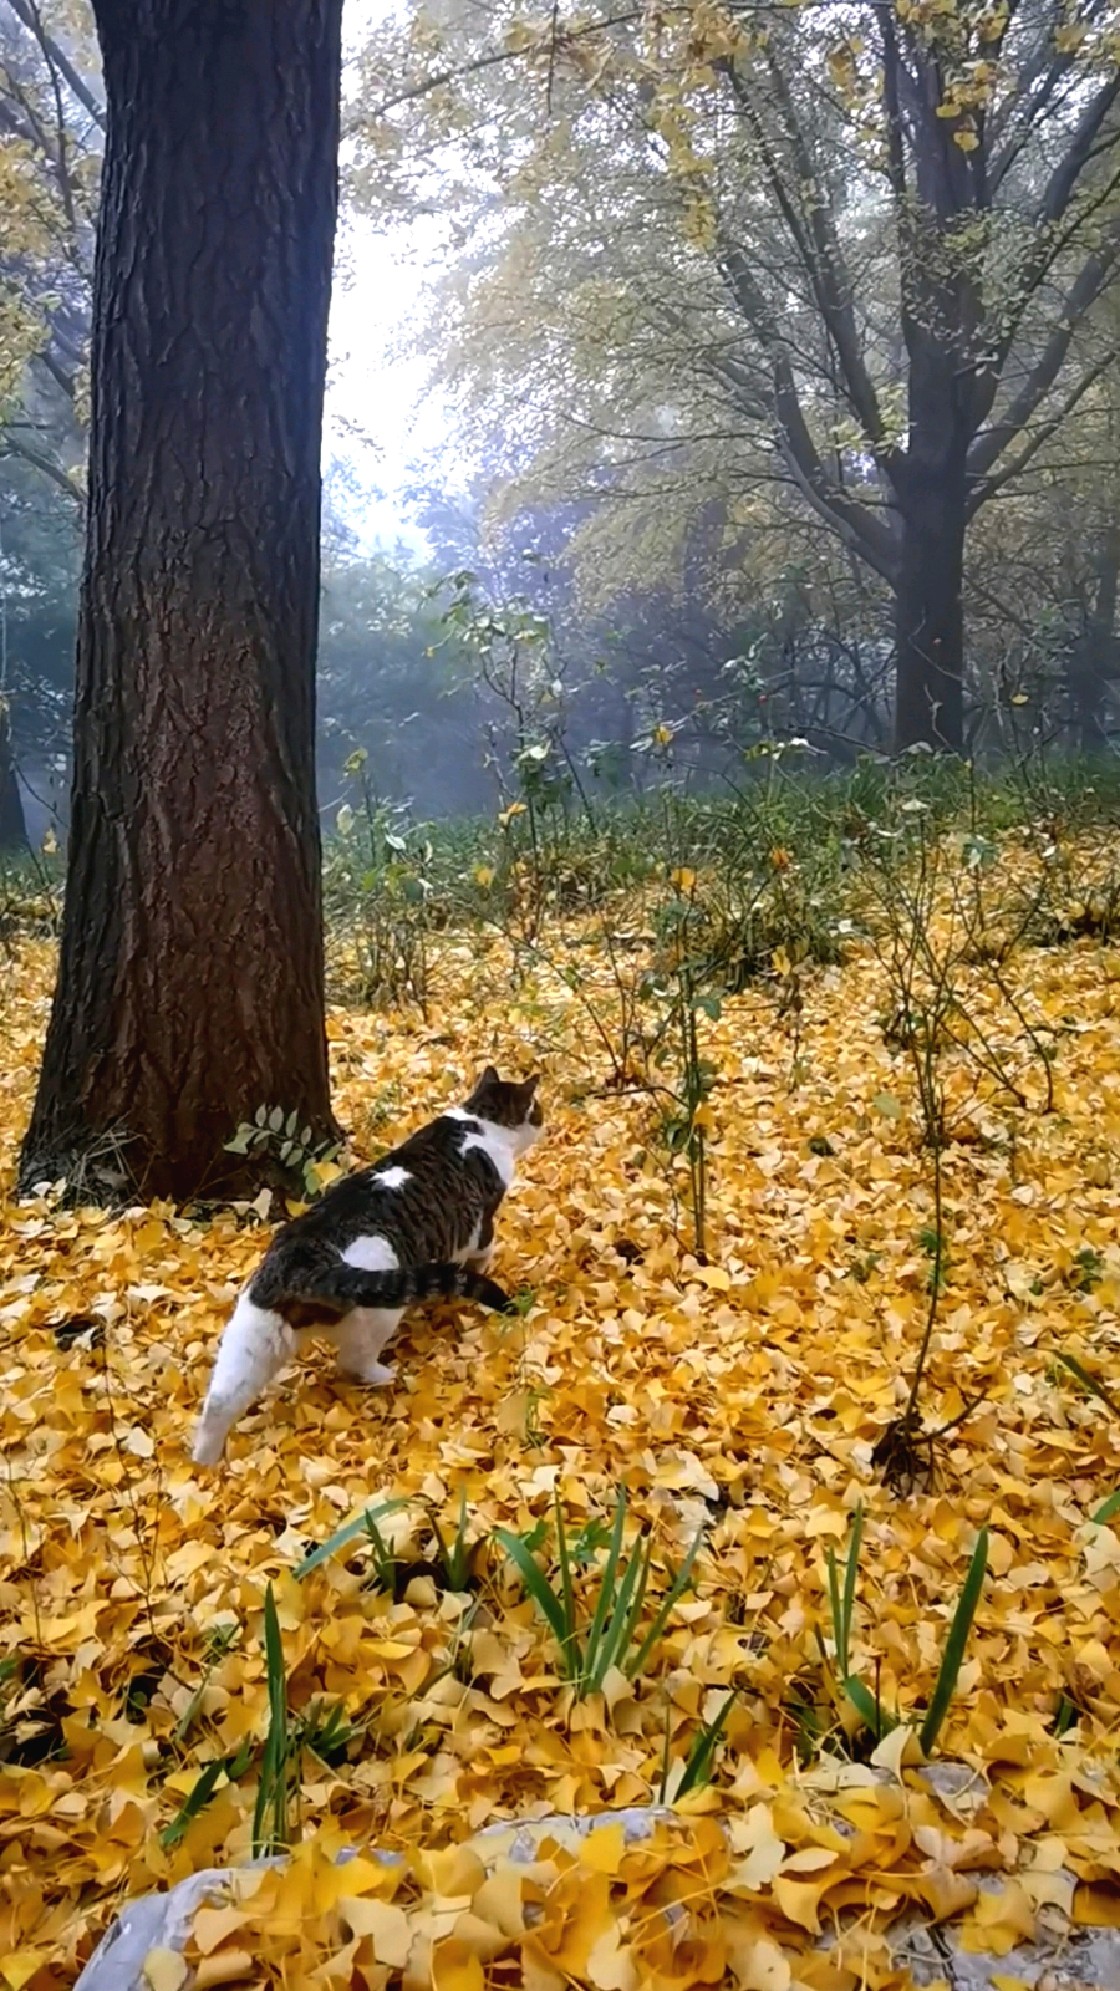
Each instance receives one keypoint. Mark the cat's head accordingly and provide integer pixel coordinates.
(509, 1103)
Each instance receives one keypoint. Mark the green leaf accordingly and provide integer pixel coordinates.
(850, 1585)
(953, 1656)
(607, 1585)
(679, 1586)
(538, 1588)
(573, 1664)
(1107, 1510)
(886, 1104)
(1090, 1382)
(349, 1532)
(272, 1787)
(698, 1769)
(276, 1119)
(870, 1711)
(198, 1797)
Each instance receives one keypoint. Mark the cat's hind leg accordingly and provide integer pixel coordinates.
(479, 1254)
(359, 1338)
(256, 1343)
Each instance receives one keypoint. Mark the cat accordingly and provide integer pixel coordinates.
(420, 1222)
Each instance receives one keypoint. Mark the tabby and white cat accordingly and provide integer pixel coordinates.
(420, 1222)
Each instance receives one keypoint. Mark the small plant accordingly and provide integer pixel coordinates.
(271, 1820)
(276, 1136)
(359, 1524)
(846, 1685)
(696, 1772)
(454, 1557)
(588, 1651)
(377, 895)
(220, 1642)
(1092, 1385)
(198, 1797)
(325, 1730)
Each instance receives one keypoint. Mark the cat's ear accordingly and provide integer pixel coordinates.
(531, 1084)
(489, 1076)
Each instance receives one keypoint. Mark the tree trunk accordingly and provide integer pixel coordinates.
(1095, 660)
(191, 978)
(929, 608)
(13, 827)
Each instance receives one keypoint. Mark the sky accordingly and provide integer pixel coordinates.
(381, 418)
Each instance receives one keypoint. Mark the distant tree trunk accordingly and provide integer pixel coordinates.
(931, 485)
(191, 979)
(13, 827)
(1095, 660)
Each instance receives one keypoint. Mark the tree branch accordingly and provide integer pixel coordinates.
(991, 443)
(988, 487)
(821, 253)
(28, 14)
(12, 444)
(855, 524)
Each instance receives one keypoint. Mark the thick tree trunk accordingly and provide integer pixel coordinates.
(929, 609)
(191, 981)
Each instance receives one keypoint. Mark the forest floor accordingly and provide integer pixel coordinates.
(744, 1395)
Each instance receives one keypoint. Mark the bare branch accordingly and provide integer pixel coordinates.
(854, 522)
(988, 487)
(28, 14)
(991, 443)
(13, 444)
(822, 256)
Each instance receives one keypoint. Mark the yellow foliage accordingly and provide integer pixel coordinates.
(753, 1387)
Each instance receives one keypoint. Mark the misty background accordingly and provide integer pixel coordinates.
(524, 428)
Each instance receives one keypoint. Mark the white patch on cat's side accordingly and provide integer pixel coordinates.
(393, 1178)
(255, 1345)
(371, 1254)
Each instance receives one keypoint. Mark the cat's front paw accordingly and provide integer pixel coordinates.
(376, 1374)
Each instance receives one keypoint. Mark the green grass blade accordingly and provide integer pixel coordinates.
(666, 1746)
(636, 1665)
(348, 1532)
(850, 1575)
(573, 1661)
(459, 1561)
(272, 1786)
(1107, 1510)
(1090, 1382)
(953, 1655)
(626, 1610)
(870, 1711)
(538, 1587)
(196, 1800)
(607, 1585)
(837, 1612)
(698, 1769)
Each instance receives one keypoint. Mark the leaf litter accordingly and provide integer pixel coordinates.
(744, 1395)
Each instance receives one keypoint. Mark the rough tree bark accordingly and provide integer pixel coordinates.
(929, 598)
(191, 979)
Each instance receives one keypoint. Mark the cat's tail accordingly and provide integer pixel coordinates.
(344, 1286)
